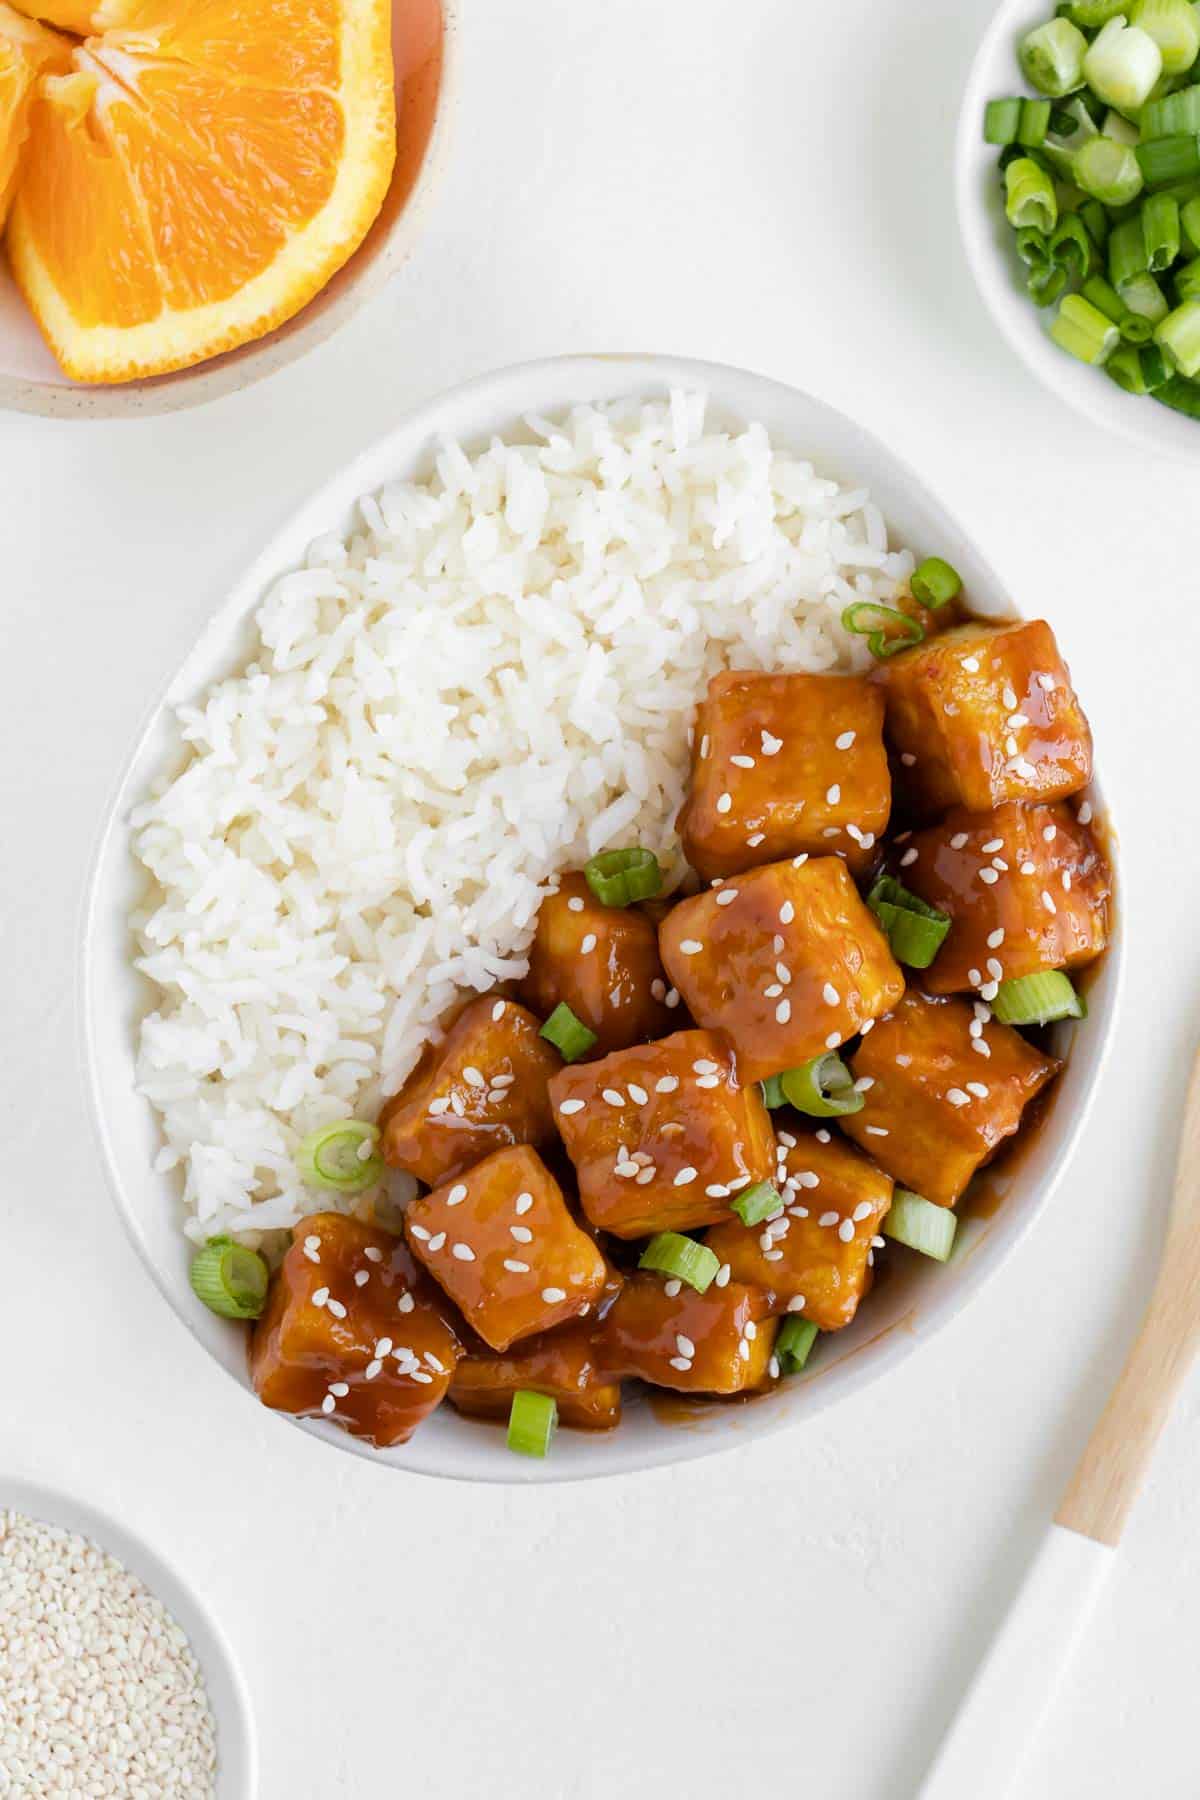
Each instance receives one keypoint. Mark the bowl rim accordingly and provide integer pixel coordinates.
(214, 377)
(1084, 389)
(225, 1684)
(891, 1345)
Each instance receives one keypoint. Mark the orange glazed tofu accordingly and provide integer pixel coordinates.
(662, 1134)
(813, 1258)
(352, 1332)
(1027, 889)
(481, 1089)
(985, 714)
(784, 763)
(562, 1364)
(500, 1241)
(718, 1342)
(786, 959)
(602, 962)
(937, 1108)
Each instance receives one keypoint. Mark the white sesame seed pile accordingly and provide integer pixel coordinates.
(100, 1694)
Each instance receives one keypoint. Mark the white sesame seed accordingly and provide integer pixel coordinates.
(1084, 815)
(647, 1175)
(685, 1177)
(989, 877)
(514, 1267)
(835, 1038)
(844, 741)
(827, 1219)
(372, 1369)
(1009, 698)
(1028, 868)
(522, 1204)
(862, 1211)
(691, 946)
(457, 1195)
(1049, 833)
(672, 998)
(833, 794)
(575, 904)
(684, 1345)
(405, 1303)
(1048, 902)
(727, 896)
(1066, 881)
(497, 1012)
(463, 1252)
(321, 1294)
(771, 746)
(796, 1303)
(420, 1375)
(907, 758)
(992, 845)
(472, 1077)
(520, 1234)
(337, 1309)
(846, 1231)
(614, 1096)
(552, 1295)
(909, 857)
(571, 1106)
(436, 1242)
(996, 938)
(971, 664)
(704, 747)
(783, 1012)
(958, 841)
(681, 1363)
(995, 968)
(362, 1277)
(724, 803)
(755, 839)
(588, 944)
(876, 1130)
(830, 995)
(750, 1331)
(742, 762)
(672, 1287)
(705, 1067)
(328, 1404)
(956, 1097)
(978, 1089)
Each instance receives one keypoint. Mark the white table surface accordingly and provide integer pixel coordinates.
(767, 184)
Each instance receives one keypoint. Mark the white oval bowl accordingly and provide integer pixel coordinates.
(237, 1752)
(988, 241)
(917, 1297)
(31, 380)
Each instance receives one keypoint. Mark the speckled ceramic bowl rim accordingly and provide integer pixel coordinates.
(237, 1749)
(311, 326)
(876, 1344)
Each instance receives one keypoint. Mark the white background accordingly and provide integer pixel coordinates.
(765, 183)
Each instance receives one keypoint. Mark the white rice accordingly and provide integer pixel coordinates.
(491, 680)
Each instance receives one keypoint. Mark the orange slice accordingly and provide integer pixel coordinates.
(25, 50)
(194, 181)
(80, 16)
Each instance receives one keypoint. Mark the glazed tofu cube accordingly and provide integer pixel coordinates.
(662, 1134)
(562, 1364)
(1027, 887)
(785, 763)
(786, 959)
(718, 1342)
(602, 962)
(353, 1332)
(938, 1107)
(985, 714)
(500, 1240)
(483, 1088)
(815, 1256)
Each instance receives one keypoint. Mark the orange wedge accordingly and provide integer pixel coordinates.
(25, 50)
(194, 181)
(80, 16)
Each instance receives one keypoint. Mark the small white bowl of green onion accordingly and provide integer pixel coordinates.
(1078, 188)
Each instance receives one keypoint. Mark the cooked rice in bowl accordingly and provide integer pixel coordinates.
(492, 679)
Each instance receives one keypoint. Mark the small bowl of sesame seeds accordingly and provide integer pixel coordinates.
(114, 1680)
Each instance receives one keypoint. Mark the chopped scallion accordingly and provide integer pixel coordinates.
(1121, 65)
(1084, 332)
(1045, 285)
(1139, 370)
(1160, 228)
(1002, 122)
(1187, 281)
(1096, 220)
(1053, 56)
(1179, 336)
(823, 1088)
(918, 1223)
(934, 582)
(231, 1280)
(532, 1422)
(1091, 14)
(1035, 122)
(1037, 1000)
(1145, 298)
(1030, 197)
(1174, 26)
(1108, 171)
(569, 1035)
(1104, 298)
(672, 1254)
(754, 1204)
(772, 1092)
(794, 1345)
(1173, 113)
(1166, 160)
(342, 1156)
(619, 877)
(1033, 247)
(886, 629)
(1127, 252)
(1181, 396)
(1189, 219)
(916, 930)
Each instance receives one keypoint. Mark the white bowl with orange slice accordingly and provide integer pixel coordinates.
(195, 195)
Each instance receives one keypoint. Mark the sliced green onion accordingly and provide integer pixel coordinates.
(1037, 1000)
(823, 1088)
(1175, 112)
(1094, 13)
(1145, 298)
(1187, 281)
(1030, 197)
(1166, 160)
(916, 930)
(877, 622)
(569, 1035)
(934, 582)
(1035, 122)
(1001, 122)
(1104, 298)
(772, 1092)
(1138, 370)
(532, 1422)
(1189, 219)
(1052, 56)
(1156, 370)
(1122, 65)
(1072, 247)
(754, 1204)
(1120, 129)
(1033, 247)
(333, 1157)
(1126, 252)
(672, 1254)
(1071, 126)
(1181, 396)
(1135, 329)
(1097, 222)
(1179, 336)
(918, 1223)
(231, 1280)
(1045, 285)
(1083, 332)
(794, 1345)
(1174, 27)
(1108, 171)
(619, 877)
(1160, 228)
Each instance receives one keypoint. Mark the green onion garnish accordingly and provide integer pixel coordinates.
(1083, 331)
(823, 1088)
(1187, 280)
(1030, 197)
(333, 1157)
(1181, 396)
(876, 622)
(619, 877)
(1037, 1000)
(1175, 28)
(754, 1204)
(532, 1422)
(672, 1254)
(1052, 56)
(1179, 336)
(935, 582)
(1108, 171)
(1002, 122)
(569, 1035)
(230, 1279)
(1189, 218)
(921, 1225)
(772, 1092)
(1047, 285)
(793, 1345)
(1160, 228)
(1096, 220)
(1033, 247)
(1139, 370)
(916, 930)
(1127, 256)
(1145, 299)
(1034, 123)
(1091, 14)
(1071, 246)
(1104, 298)
(1122, 65)
(1172, 114)
(1166, 160)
